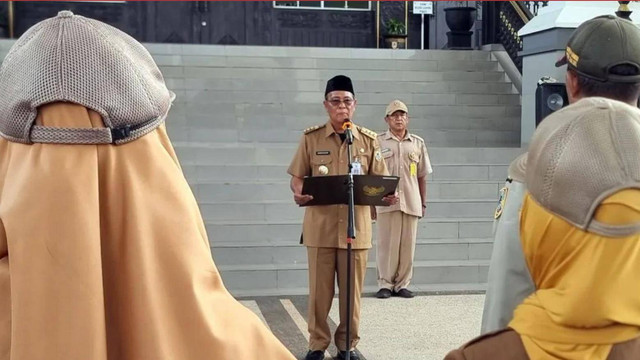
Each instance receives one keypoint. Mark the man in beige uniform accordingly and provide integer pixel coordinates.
(406, 156)
(322, 151)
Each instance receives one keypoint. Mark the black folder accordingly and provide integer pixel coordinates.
(332, 190)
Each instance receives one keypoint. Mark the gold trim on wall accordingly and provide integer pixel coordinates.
(521, 13)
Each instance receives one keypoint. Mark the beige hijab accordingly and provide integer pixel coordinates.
(104, 256)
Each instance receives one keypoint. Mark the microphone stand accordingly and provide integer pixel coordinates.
(351, 231)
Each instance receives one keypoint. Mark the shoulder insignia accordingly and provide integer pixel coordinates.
(313, 128)
(504, 192)
(367, 132)
(416, 137)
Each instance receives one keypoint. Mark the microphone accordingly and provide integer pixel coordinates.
(346, 126)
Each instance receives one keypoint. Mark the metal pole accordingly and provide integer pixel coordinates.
(11, 19)
(422, 32)
(351, 234)
(406, 23)
(377, 24)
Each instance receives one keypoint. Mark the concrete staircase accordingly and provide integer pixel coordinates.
(254, 225)
(269, 94)
(240, 112)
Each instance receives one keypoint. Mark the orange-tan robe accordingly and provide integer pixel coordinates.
(104, 256)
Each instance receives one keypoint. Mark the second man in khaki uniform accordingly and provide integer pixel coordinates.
(406, 156)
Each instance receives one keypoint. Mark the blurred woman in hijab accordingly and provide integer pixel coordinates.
(103, 252)
(580, 233)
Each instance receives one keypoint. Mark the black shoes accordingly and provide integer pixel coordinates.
(315, 355)
(405, 293)
(383, 293)
(386, 293)
(352, 355)
(319, 355)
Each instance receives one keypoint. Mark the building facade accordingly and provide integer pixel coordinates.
(354, 24)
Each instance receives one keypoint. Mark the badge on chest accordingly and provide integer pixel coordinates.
(356, 167)
(413, 167)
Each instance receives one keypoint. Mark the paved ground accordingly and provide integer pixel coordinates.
(423, 328)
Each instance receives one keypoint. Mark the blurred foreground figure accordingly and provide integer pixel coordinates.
(103, 252)
(602, 59)
(580, 233)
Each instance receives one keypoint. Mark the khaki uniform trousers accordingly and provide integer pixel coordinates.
(395, 249)
(324, 265)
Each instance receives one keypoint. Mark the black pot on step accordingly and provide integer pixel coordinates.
(459, 20)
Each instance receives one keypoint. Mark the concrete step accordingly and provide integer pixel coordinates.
(441, 138)
(232, 253)
(429, 228)
(465, 173)
(257, 190)
(308, 52)
(316, 112)
(271, 62)
(282, 119)
(295, 276)
(257, 96)
(368, 86)
(197, 72)
(282, 210)
(281, 154)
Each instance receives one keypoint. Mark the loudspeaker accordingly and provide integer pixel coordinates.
(550, 97)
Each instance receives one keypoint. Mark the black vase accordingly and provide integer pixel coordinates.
(459, 19)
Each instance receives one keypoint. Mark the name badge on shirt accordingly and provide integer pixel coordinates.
(414, 169)
(356, 168)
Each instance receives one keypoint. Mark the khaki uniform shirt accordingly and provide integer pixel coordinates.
(408, 159)
(321, 149)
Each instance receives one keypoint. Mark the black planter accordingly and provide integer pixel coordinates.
(459, 20)
(395, 41)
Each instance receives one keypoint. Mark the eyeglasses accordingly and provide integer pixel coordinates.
(336, 102)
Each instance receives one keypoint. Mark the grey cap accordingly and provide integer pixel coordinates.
(517, 168)
(70, 58)
(586, 152)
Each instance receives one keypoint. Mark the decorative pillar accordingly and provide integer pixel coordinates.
(623, 10)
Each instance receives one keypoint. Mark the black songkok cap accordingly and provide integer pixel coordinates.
(339, 83)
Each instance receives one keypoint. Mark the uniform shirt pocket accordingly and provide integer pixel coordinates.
(321, 165)
(389, 159)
